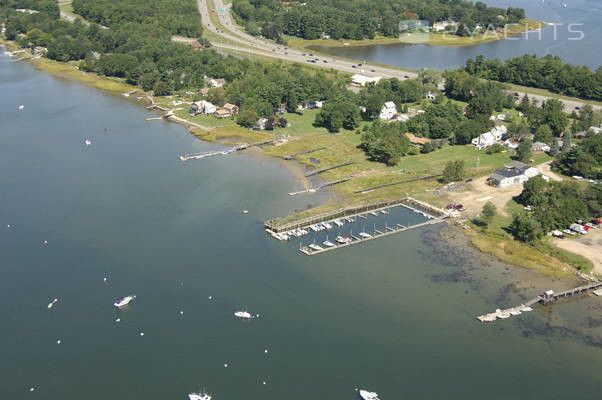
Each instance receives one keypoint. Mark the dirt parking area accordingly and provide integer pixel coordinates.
(480, 193)
(589, 246)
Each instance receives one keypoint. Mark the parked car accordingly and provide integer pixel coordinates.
(578, 228)
(596, 222)
(569, 232)
(558, 234)
(591, 225)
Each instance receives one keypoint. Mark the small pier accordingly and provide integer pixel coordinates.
(376, 235)
(291, 156)
(546, 297)
(319, 171)
(322, 186)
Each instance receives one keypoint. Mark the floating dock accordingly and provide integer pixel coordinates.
(376, 234)
(199, 156)
(544, 298)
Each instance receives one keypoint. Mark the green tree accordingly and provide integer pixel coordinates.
(543, 134)
(525, 228)
(567, 141)
(454, 171)
(247, 118)
(162, 89)
(523, 152)
(488, 212)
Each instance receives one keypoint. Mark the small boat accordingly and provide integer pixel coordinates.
(243, 314)
(314, 246)
(364, 394)
(123, 301)
(374, 213)
(51, 304)
(328, 243)
(365, 235)
(526, 309)
(349, 219)
(314, 228)
(199, 396)
(88, 143)
(515, 312)
(326, 225)
(338, 223)
(384, 211)
(21, 107)
(503, 315)
(343, 240)
(320, 226)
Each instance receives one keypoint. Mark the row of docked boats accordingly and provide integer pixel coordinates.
(503, 314)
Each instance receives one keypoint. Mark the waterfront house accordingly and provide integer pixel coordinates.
(222, 113)
(387, 111)
(315, 104)
(513, 173)
(202, 107)
(402, 117)
(232, 108)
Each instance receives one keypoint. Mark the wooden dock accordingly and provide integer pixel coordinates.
(291, 156)
(544, 298)
(199, 156)
(319, 171)
(376, 234)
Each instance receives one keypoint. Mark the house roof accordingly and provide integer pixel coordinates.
(229, 106)
(222, 111)
(389, 104)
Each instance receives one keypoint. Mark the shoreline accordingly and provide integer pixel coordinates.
(296, 168)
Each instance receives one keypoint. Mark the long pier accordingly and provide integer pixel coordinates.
(199, 156)
(376, 235)
(319, 171)
(544, 298)
(291, 156)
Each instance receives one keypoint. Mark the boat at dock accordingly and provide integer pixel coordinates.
(123, 301)
(384, 212)
(343, 240)
(243, 314)
(314, 246)
(326, 225)
(338, 223)
(365, 235)
(199, 396)
(349, 219)
(526, 309)
(364, 394)
(314, 228)
(374, 213)
(328, 243)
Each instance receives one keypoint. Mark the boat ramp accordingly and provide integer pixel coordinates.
(546, 297)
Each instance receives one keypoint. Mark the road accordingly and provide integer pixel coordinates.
(266, 48)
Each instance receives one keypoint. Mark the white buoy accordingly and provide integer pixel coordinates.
(225, 365)
(141, 333)
(104, 279)
(118, 319)
(88, 143)
(58, 341)
(264, 383)
(256, 315)
(209, 297)
(181, 312)
(45, 241)
(8, 226)
(21, 107)
(31, 389)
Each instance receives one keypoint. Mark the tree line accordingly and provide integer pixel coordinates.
(359, 19)
(548, 72)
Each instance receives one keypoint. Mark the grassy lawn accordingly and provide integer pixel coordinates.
(232, 134)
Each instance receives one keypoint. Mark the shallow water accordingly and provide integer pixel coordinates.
(395, 315)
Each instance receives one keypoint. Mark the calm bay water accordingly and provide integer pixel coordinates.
(395, 315)
(586, 14)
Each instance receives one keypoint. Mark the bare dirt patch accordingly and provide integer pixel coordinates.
(589, 246)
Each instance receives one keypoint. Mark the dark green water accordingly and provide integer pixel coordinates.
(395, 315)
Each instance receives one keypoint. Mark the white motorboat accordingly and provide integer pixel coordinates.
(51, 304)
(326, 225)
(349, 219)
(314, 228)
(365, 235)
(384, 212)
(343, 240)
(328, 243)
(338, 223)
(88, 143)
(199, 396)
(123, 301)
(526, 309)
(243, 314)
(515, 312)
(364, 394)
(314, 246)
(503, 315)
(374, 213)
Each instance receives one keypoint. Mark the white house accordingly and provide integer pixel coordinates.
(217, 82)
(489, 138)
(512, 174)
(388, 111)
(403, 117)
(540, 146)
(202, 107)
(362, 80)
